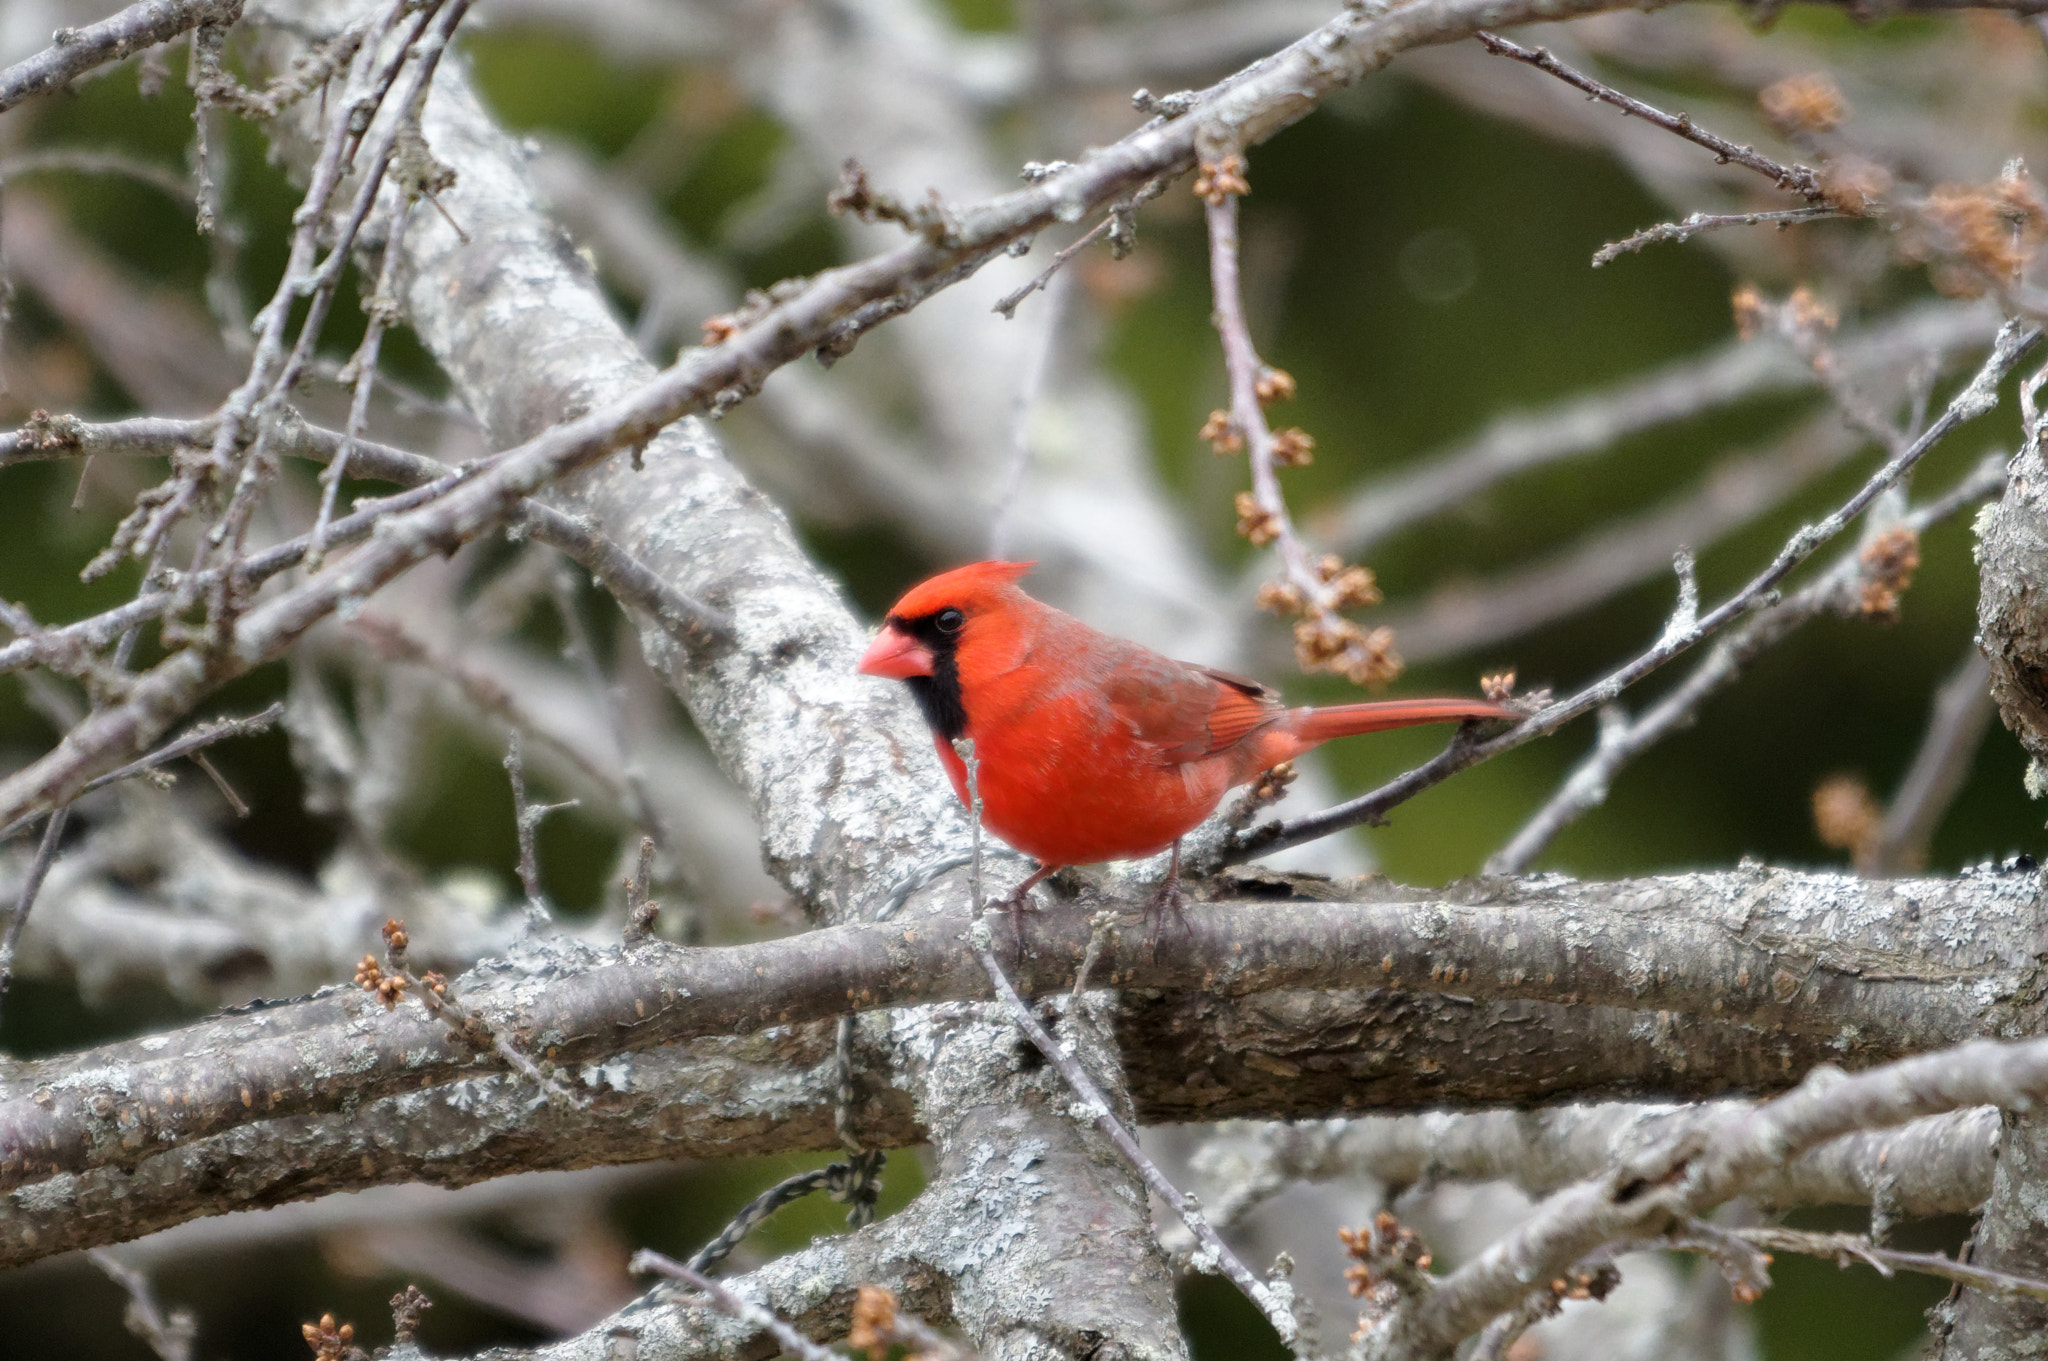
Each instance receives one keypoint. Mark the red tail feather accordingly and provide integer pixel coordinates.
(1346, 720)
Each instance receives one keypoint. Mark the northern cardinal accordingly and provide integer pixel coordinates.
(1090, 747)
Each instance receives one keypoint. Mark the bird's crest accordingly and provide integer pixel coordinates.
(960, 587)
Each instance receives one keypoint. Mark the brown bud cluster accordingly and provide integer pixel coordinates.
(1809, 312)
(370, 977)
(1889, 562)
(1271, 786)
(1804, 104)
(1804, 317)
(1254, 521)
(1218, 181)
(1499, 687)
(1855, 185)
(1994, 228)
(436, 982)
(1281, 597)
(1351, 587)
(408, 1306)
(329, 1341)
(45, 432)
(1274, 385)
(1752, 312)
(1222, 433)
(874, 1321)
(1845, 816)
(394, 934)
(1293, 447)
(1386, 1249)
(1329, 642)
(1596, 1284)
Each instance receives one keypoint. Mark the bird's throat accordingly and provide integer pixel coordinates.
(938, 696)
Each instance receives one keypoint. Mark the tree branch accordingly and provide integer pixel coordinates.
(78, 50)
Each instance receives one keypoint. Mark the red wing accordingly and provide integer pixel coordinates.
(1183, 711)
(1241, 706)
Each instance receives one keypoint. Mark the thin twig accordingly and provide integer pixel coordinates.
(1008, 304)
(527, 818)
(170, 1335)
(201, 736)
(1797, 179)
(1590, 422)
(1116, 224)
(38, 870)
(1846, 1248)
(78, 50)
(1955, 730)
(1315, 590)
(727, 1301)
(383, 310)
(1001, 521)
(1696, 223)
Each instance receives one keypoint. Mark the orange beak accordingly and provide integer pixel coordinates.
(895, 655)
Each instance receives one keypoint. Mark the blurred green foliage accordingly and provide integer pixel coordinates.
(1418, 268)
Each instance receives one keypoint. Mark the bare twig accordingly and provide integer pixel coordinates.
(1853, 1248)
(169, 1335)
(740, 1307)
(527, 818)
(1315, 590)
(79, 50)
(391, 981)
(1214, 1254)
(1696, 223)
(692, 622)
(1116, 225)
(201, 736)
(31, 885)
(1588, 423)
(1464, 617)
(1955, 730)
(383, 310)
(1797, 179)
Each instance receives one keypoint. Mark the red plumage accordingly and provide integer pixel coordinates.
(1092, 747)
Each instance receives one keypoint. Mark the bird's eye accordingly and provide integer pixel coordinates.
(950, 621)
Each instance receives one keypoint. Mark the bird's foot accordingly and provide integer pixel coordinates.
(1019, 898)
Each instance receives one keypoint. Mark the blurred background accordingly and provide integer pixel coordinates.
(1417, 256)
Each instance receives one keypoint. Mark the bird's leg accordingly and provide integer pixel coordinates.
(1167, 895)
(1019, 898)
(1019, 902)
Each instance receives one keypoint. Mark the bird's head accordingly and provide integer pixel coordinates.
(920, 639)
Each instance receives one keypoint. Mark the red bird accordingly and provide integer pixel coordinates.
(1091, 747)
